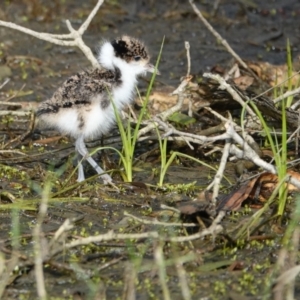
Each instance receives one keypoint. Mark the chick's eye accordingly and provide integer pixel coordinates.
(137, 58)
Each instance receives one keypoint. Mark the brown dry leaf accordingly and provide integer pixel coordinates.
(161, 99)
(273, 74)
(200, 206)
(234, 200)
(295, 175)
(243, 82)
(236, 266)
(192, 207)
(258, 190)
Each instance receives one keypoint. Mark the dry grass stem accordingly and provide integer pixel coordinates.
(130, 276)
(285, 279)
(188, 58)
(183, 281)
(7, 272)
(4, 83)
(286, 95)
(12, 104)
(15, 113)
(13, 152)
(40, 246)
(160, 264)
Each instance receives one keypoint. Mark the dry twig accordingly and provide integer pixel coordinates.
(219, 175)
(226, 86)
(110, 236)
(220, 38)
(73, 39)
(249, 154)
(4, 83)
(287, 94)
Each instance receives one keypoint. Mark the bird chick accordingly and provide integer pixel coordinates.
(82, 107)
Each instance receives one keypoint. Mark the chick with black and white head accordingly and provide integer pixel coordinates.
(82, 108)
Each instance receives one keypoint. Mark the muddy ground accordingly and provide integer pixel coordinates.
(215, 268)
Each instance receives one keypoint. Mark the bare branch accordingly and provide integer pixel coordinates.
(4, 83)
(87, 22)
(287, 94)
(64, 39)
(219, 175)
(220, 38)
(39, 35)
(15, 112)
(225, 86)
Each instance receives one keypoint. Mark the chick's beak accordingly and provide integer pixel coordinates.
(151, 69)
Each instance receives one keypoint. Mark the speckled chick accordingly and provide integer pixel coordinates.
(82, 108)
